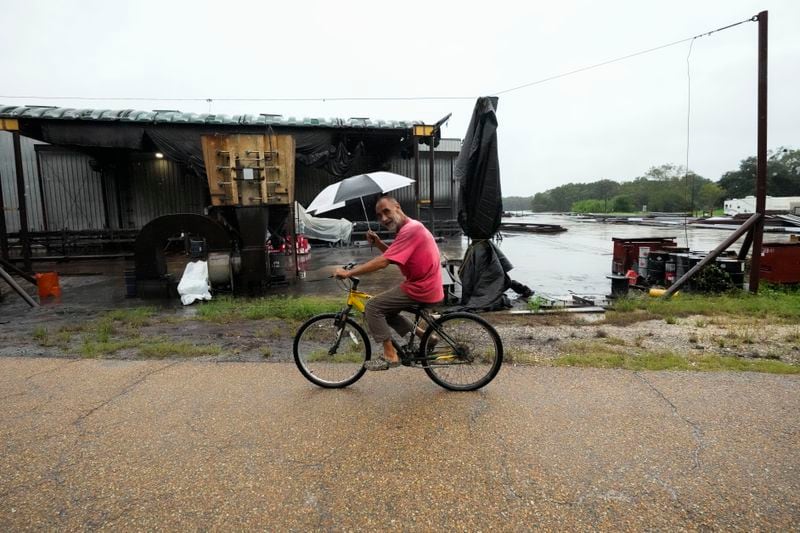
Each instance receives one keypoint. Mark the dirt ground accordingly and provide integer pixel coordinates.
(528, 339)
(76, 327)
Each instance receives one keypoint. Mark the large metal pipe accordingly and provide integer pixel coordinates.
(761, 153)
(24, 295)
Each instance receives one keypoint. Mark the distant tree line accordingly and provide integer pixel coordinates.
(667, 188)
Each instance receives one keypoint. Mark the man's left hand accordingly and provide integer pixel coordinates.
(341, 273)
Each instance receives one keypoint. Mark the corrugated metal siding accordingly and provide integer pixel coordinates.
(73, 192)
(159, 187)
(445, 145)
(444, 188)
(310, 181)
(148, 188)
(8, 176)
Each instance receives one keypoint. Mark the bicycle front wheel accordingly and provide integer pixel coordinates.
(331, 352)
(467, 355)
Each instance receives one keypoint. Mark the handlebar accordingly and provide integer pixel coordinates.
(353, 280)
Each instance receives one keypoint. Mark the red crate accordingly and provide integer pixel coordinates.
(626, 251)
(780, 262)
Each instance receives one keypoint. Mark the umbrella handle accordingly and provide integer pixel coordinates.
(366, 218)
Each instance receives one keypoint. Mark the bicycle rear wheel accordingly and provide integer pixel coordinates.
(330, 352)
(468, 354)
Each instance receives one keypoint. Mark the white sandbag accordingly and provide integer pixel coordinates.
(194, 283)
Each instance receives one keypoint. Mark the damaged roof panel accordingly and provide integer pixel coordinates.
(177, 117)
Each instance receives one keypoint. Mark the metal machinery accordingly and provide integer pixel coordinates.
(251, 183)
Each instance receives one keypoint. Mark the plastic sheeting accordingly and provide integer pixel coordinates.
(194, 283)
(324, 229)
(484, 278)
(483, 273)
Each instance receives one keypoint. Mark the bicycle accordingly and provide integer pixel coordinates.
(458, 351)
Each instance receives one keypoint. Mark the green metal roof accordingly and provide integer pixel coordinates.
(177, 117)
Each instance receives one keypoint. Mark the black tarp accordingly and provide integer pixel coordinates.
(484, 271)
(477, 169)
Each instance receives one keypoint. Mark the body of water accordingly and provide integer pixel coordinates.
(579, 259)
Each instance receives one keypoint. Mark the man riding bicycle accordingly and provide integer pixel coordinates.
(414, 250)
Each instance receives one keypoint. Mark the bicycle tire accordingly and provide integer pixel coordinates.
(312, 345)
(476, 358)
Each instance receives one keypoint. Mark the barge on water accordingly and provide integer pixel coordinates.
(524, 227)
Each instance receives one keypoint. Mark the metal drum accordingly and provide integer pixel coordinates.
(684, 263)
(656, 267)
(734, 268)
(669, 269)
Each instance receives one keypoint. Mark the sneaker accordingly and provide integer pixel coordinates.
(433, 340)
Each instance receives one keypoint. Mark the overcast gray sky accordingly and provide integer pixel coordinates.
(611, 122)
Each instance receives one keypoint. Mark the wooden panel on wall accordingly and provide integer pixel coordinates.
(247, 170)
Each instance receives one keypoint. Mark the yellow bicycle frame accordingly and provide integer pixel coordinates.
(358, 299)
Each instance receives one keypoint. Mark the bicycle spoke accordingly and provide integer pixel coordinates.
(330, 352)
(468, 354)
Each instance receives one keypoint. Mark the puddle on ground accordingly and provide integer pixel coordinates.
(577, 261)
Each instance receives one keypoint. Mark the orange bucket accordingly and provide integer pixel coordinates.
(47, 283)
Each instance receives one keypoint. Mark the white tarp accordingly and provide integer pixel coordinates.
(194, 283)
(324, 229)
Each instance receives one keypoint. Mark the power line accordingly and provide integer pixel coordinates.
(622, 58)
(384, 98)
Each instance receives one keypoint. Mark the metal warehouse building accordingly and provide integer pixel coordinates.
(79, 182)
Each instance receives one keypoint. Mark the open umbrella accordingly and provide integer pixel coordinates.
(336, 195)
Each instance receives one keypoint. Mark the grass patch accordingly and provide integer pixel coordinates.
(162, 349)
(92, 348)
(536, 303)
(135, 317)
(153, 348)
(597, 355)
(40, 335)
(769, 303)
(226, 310)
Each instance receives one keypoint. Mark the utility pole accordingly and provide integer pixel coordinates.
(761, 153)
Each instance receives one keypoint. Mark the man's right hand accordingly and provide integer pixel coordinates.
(372, 237)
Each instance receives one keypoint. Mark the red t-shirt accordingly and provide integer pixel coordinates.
(414, 250)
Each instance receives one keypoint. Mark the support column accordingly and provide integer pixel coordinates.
(416, 176)
(22, 195)
(3, 229)
(430, 206)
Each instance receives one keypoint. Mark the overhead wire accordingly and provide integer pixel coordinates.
(387, 98)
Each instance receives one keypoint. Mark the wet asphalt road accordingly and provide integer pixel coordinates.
(135, 445)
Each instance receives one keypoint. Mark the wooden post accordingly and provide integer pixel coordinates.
(761, 153)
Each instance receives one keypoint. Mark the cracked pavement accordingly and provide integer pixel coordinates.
(135, 445)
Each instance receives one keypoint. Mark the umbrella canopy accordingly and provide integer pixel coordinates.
(336, 195)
